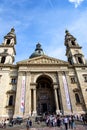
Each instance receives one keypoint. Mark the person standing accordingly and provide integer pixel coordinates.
(70, 122)
(73, 122)
(66, 122)
(58, 121)
(4, 124)
(28, 124)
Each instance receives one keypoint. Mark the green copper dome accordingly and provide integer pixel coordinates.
(38, 51)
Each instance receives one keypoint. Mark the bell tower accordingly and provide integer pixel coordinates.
(73, 50)
(7, 48)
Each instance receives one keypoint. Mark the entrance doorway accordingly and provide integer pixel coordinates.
(44, 107)
(45, 95)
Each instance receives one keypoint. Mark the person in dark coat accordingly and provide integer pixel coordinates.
(58, 121)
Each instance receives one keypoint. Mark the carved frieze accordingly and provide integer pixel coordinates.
(43, 60)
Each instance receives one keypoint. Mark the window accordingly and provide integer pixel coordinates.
(3, 59)
(10, 100)
(85, 77)
(73, 79)
(5, 50)
(77, 98)
(8, 41)
(73, 43)
(13, 81)
(80, 60)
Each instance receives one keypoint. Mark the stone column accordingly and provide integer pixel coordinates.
(30, 102)
(18, 96)
(28, 96)
(7, 101)
(34, 102)
(56, 100)
(63, 97)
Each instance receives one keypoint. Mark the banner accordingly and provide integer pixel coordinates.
(66, 92)
(23, 94)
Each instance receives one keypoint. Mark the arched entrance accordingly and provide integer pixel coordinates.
(45, 95)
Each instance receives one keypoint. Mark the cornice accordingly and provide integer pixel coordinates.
(7, 65)
(9, 46)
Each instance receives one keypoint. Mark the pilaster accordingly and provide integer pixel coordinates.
(63, 95)
(71, 95)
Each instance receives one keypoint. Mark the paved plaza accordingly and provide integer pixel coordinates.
(42, 126)
(80, 127)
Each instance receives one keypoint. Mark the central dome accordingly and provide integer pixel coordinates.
(38, 51)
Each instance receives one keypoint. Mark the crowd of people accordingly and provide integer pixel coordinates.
(51, 120)
(67, 121)
(56, 121)
(3, 124)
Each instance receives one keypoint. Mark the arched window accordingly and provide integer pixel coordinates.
(77, 98)
(3, 59)
(73, 43)
(80, 60)
(11, 100)
(8, 41)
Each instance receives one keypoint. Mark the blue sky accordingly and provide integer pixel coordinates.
(44, 21)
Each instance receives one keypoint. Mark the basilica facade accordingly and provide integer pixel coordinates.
(42, 84)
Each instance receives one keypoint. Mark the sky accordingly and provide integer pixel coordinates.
(44, 21)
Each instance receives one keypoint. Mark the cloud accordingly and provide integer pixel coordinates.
(76, 2)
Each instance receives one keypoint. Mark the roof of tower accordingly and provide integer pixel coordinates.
(68, 37)
(11, 34)
(38, 51)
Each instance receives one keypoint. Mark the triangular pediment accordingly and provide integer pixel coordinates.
(43, 60)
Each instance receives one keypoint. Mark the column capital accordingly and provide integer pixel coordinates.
(33, 88)
(55, 86)
(28, 73)
(54, 83)
(33, 85)
(63, 72)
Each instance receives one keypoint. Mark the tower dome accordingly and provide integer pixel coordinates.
(38, 51)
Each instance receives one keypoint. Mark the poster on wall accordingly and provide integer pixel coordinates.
(66, 92)
(23, 94)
